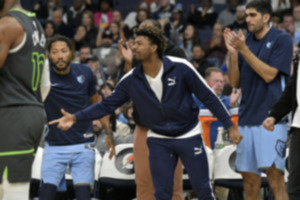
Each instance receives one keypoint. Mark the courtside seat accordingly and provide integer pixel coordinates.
(118, 172)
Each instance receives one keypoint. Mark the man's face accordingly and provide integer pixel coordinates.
(240, 13)
(255, 20)
(84, 53)
(97, 126)
(288, 24)
(60, 56)
(216, 82)
(142, 48)
(106, 42)
(296, 13)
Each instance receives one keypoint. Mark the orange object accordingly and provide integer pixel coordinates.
(206, 122)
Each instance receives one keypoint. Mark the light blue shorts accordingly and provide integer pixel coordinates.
(259, 148)
(80, 159)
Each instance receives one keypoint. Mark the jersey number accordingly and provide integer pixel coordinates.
(38, 61)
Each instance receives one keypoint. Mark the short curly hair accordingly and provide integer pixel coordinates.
(156, 36)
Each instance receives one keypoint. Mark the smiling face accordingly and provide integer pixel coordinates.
(60, 56)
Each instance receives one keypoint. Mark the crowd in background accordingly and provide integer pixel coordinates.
(96, 27)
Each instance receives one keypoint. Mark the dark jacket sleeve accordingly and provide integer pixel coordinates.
(286, 101)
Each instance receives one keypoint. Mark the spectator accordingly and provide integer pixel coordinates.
(103, 17)
(106, 90)
(174, 29)
(105, 52)
(164, 13)
(117, 33)
(80, 37)
(215, 47)
(45, 9)
(215, 80)
(142, 15)
(74, 14)
(204, 17)
(88, 21)
(73, 88)
(190, 38)
(228, 15)
(277, 22)
(62, 28)
(240, 22)
(289, 27)
(117, 18)
(126, 127)
(130, 19)
(97, 69)
(199, 60)
(50, 30)
(85, 52)
(258, 64)
(296, 15)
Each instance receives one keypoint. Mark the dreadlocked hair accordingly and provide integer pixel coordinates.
(156, 36)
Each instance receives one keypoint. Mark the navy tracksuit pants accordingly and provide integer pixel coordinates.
(163, 157)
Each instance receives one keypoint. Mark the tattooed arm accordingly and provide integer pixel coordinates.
(11, 35)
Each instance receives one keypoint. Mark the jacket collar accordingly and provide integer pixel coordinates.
(167, 65)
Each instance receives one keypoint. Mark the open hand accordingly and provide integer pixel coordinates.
(65, 122)
(125, 52)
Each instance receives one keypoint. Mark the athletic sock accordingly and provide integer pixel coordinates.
(83, 192)
(47, 192)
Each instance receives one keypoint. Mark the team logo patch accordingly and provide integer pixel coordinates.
(124, 161)
(268, 45)
(81, 79)
(280, 148)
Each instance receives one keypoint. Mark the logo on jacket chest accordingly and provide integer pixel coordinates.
(172, 81)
